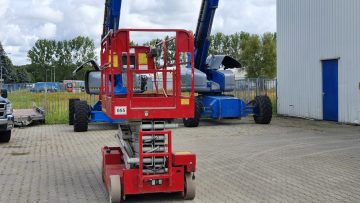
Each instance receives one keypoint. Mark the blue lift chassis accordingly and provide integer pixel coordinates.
(212, 101)
(81, 114)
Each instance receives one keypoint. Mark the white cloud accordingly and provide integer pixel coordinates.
(4, 4)
(47, 31)
(42, 2)
(23, 21)
(43, 13)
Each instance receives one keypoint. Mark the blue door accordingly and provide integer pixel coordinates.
(330, 90)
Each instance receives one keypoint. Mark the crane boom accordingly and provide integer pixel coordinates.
(203, 32)
(111, 16)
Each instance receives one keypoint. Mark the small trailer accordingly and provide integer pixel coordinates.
(25, 117)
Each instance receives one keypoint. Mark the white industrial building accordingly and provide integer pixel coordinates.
(319, 59)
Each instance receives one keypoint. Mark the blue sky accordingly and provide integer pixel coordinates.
(22, 22)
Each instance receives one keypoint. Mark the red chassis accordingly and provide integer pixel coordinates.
(151, 166)
(179, 178)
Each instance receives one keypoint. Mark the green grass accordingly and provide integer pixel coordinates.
(274, 105)
(55, 104)
(247, 96)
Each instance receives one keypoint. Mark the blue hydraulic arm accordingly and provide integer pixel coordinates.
(111, 16)
(203, 32)
(111, 22)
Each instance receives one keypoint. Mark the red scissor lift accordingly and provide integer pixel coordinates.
(145, 162)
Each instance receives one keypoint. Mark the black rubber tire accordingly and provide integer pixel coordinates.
(262, 110)
(194, 122)
(5, 136)
(72, 110)
(81, 116)
(4, 93)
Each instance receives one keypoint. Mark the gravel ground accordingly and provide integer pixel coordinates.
(291, 160)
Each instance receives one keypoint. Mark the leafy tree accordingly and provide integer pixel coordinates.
(256, 53)
(42, 54)
(251, 56)
(132, 43)
(11, 73)
(171, 49)
(22, 75)
(8, 72)
(216, 46)
(269, 55)
(235, 46)
(259, 55)
(60, 58)
(81, 49)
(74, 53)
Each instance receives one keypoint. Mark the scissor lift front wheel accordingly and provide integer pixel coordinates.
(115, 189)
(189, 186)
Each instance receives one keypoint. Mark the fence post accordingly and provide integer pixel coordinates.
(257, 86)
(248, 90)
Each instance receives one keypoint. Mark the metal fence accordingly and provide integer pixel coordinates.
(17, 86)
(248, 89)
(245, 89)
(56, 104)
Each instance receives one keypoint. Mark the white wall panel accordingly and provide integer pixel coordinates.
(308, 32)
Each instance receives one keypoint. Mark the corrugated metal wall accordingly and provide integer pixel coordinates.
(310, 31)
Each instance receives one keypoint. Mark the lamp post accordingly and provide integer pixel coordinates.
(45, 88)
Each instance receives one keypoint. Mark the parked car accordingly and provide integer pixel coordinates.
(45, 87)
(69, 87)
(74, 85)
(6, 117)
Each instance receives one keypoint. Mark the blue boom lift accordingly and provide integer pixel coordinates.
(80, 113)
(213, 79)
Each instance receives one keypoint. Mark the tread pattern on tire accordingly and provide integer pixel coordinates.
(81, 116)
(263, 110)
(5, 136)
(194, 122)
(72, 110)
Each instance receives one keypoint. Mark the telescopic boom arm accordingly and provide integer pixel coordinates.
(111, 16)
(203, 32)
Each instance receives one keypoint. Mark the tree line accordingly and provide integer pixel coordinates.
(56, 60)
(52, 60)
(256, 53)
(11, 73)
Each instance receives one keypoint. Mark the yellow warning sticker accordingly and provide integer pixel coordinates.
(185, 102)
(183, 153)
(115, 60)
(110, 58)
(142, 59)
